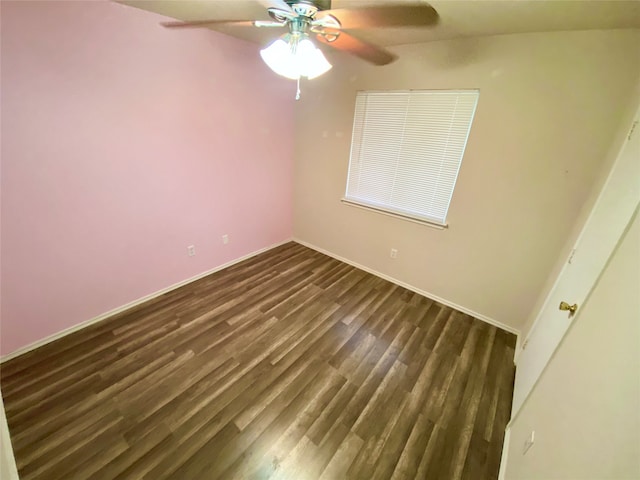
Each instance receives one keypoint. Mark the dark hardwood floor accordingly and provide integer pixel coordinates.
(290, 365)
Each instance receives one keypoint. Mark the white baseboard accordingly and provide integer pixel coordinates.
(7, 459)
(86, 323)
(138, 301)
(505, 453)
(424, 293)
(517, 350)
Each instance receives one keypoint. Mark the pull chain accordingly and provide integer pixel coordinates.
(298, 92)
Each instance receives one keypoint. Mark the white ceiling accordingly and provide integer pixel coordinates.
(458, 18)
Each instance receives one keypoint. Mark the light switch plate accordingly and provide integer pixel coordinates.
(528, 443)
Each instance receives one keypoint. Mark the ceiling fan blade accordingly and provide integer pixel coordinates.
(279, 4)
(350, 44)
(407, 15)
(220, 23)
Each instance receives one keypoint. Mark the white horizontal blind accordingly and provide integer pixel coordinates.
(406, 150)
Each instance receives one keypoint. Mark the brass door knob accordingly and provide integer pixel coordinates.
(564, 306)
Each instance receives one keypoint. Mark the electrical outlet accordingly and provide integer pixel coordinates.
(528, 443)
(225, 238)
(394, 253)
(191, 250)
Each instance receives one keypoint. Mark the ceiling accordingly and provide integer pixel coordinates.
(458, 18)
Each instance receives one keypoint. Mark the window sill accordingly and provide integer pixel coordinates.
(437, 226)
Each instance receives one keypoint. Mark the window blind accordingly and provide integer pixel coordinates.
(406, 150)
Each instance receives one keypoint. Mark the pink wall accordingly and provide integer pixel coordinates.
(122, 143)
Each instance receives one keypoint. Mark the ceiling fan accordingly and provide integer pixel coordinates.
(293, 55)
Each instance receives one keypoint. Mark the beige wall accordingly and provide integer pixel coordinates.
(585, 408)
(581, 218)
(549, 107)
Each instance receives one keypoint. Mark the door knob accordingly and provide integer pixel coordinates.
(564, 306)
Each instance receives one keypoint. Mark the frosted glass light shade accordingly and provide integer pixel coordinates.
(278, 58)
(306, 61)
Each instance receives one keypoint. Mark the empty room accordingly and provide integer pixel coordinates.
(320, 239)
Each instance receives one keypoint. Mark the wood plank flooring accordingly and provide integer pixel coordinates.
(290, 365)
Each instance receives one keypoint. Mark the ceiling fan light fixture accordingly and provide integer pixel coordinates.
(312, 61)
(292, 57)
(278, 58)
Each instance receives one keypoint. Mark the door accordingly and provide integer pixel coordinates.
(609, 218)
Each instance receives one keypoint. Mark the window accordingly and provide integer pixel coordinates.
(406, 151)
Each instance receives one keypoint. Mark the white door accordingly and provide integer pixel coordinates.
(612, 212)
